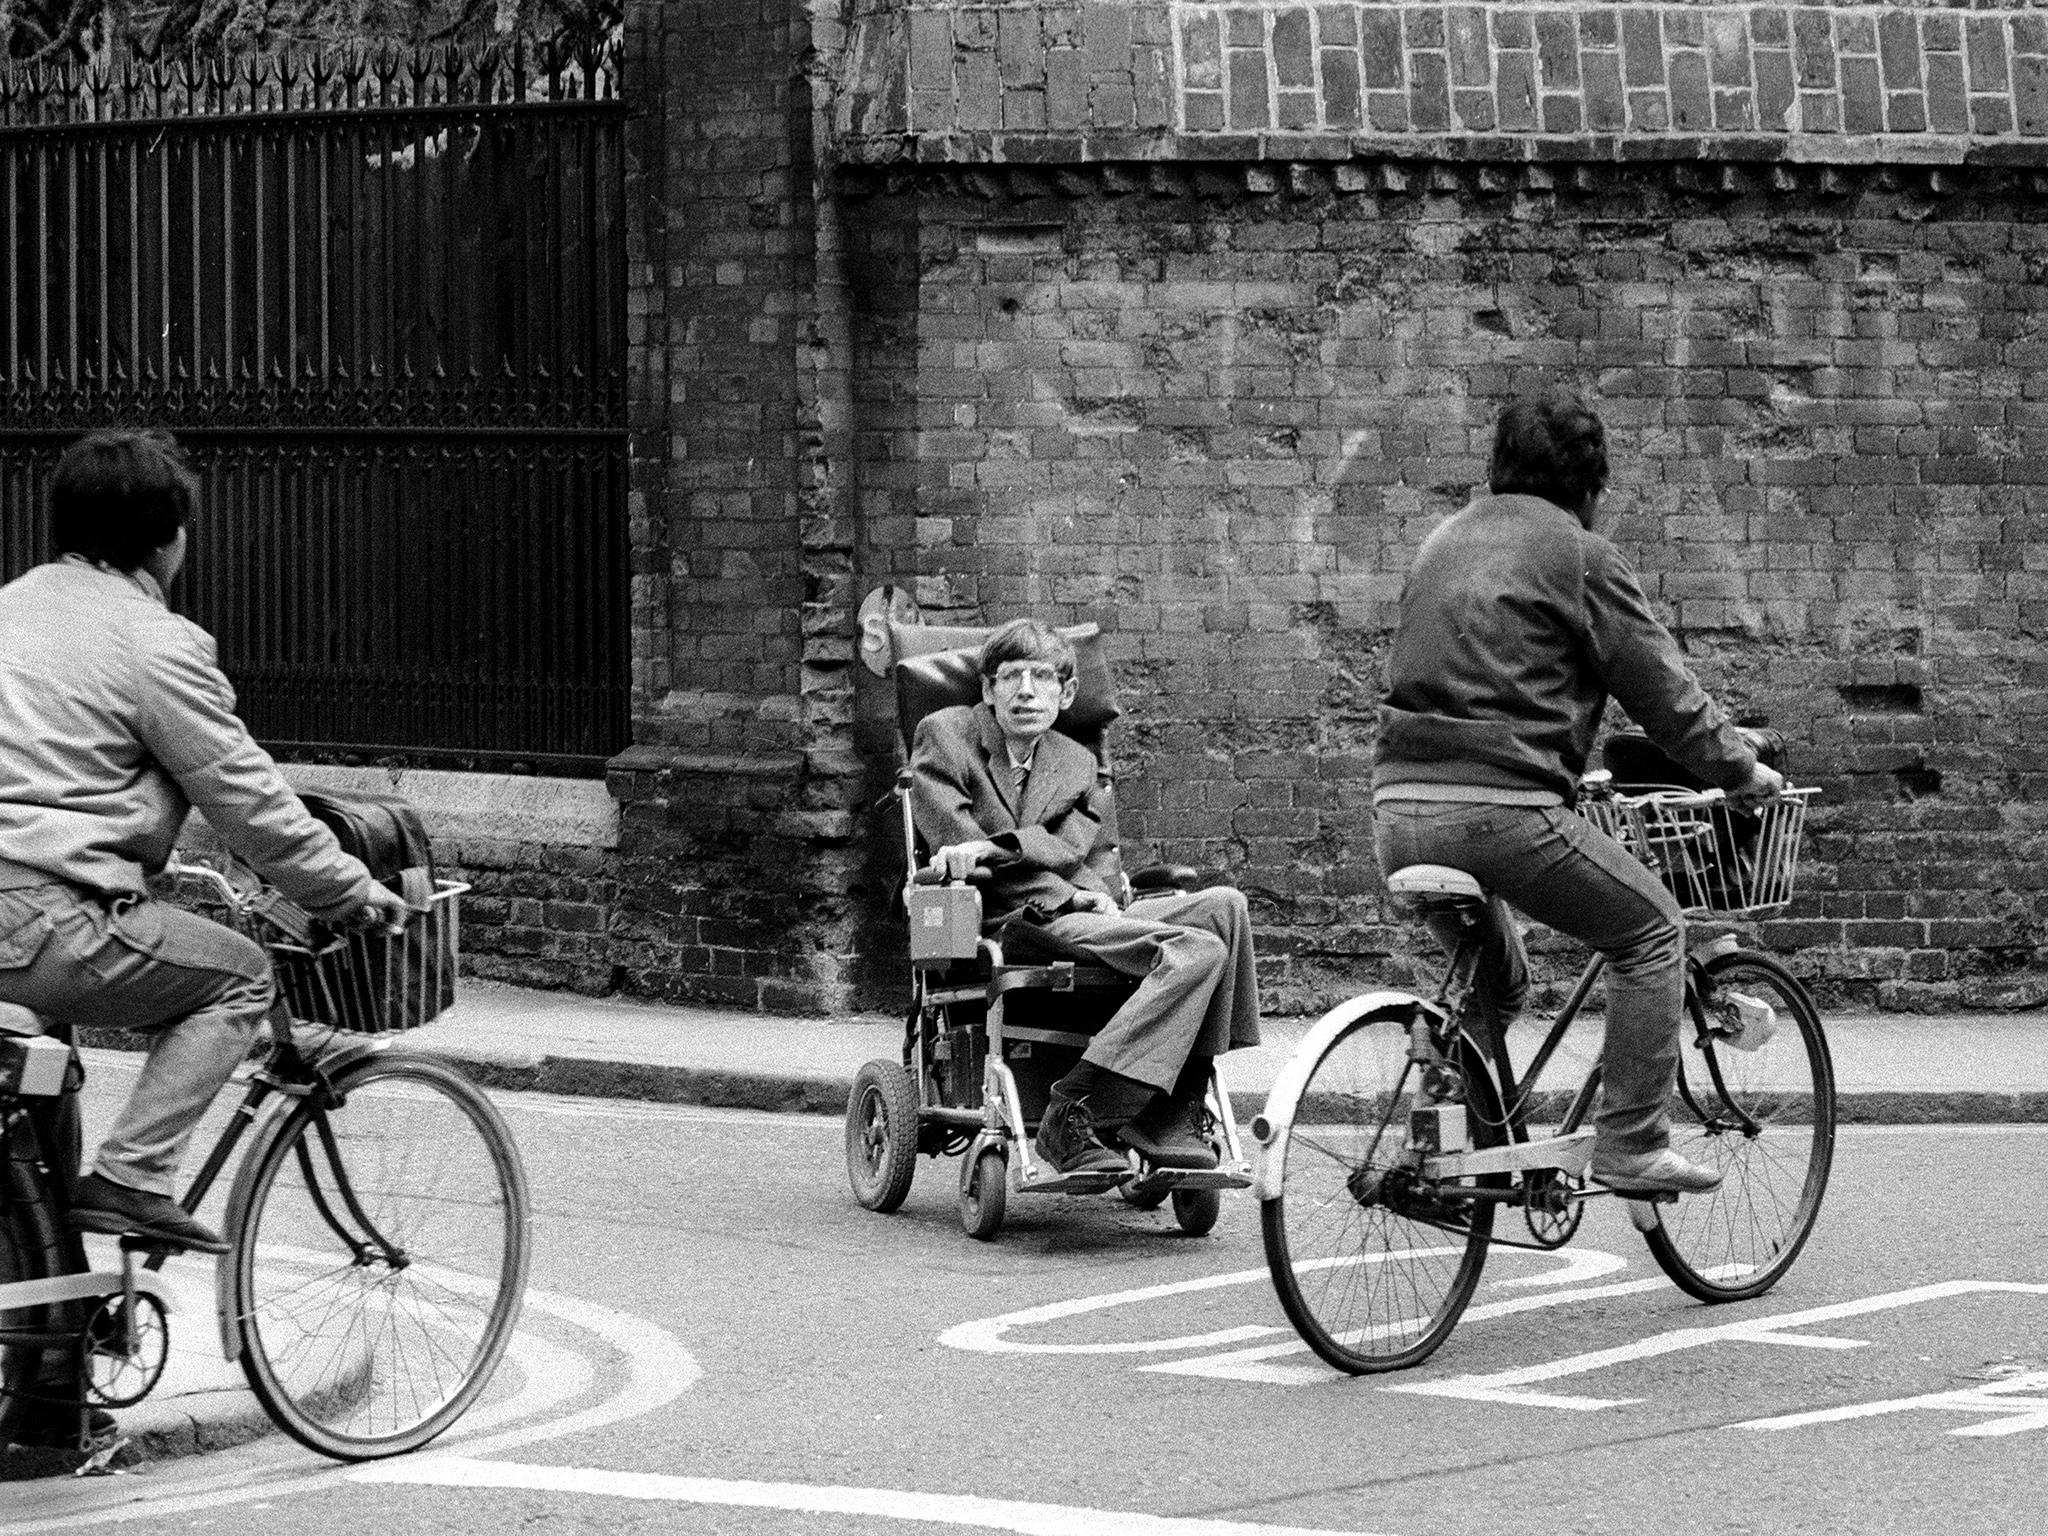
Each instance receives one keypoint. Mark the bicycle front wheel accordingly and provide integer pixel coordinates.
(1763, 1117)
(380, 1254)
(1373, 1266)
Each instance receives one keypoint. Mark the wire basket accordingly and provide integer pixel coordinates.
(371, 983)
(1712, 855)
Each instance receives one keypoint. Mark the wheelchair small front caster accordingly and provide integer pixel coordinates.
(984, 1191)
(1197, 1210)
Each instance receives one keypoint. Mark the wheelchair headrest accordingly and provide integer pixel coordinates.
(937, 668)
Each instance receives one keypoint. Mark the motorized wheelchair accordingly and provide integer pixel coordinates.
(995, 1019)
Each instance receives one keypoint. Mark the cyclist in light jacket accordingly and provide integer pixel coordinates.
(1518, 622)
(114, 722)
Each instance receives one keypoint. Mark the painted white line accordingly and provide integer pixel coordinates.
(988, 1335)
(818, 1499)
(659, 1370)
(2000, 1398)
(985, 1335)
(1510, 1386)
(1248, 1364)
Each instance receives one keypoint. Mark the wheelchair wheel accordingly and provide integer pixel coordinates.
(1141, 1199)
(1197, 1210)
(984, 1192)
(881, 1135)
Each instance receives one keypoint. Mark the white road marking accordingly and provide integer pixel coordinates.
(1997, 1397)
(658, 1370)
(1511, 1386)
(881, 1503)
(1249, 1364)
(989, 1335)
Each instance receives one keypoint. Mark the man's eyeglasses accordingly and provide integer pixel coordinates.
(1011, 674)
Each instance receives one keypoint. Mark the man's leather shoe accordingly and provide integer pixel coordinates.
(1169, 1135)
(1662, 1172)
(104, 1206)
(1066, 1139)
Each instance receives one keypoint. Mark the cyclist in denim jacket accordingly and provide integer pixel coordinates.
(114, 722)
(1518, 622)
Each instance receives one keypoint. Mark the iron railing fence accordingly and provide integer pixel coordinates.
(382, 301)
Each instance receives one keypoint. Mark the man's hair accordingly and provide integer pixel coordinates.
(118, 497)
(1551, 446)
(1027, 640)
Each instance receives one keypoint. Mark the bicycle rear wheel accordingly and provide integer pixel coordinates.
(1373, 1267)
(380, 1254)
(30, 1249)
(1764, 1118)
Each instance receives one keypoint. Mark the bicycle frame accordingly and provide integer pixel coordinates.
(286, 1073)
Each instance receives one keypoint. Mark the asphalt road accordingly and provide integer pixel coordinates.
(720, 1340)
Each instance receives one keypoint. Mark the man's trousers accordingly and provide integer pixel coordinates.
(1199, 995)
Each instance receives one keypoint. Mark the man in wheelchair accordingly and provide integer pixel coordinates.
(1004, 798)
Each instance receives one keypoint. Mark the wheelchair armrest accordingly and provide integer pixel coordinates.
(1163, 877)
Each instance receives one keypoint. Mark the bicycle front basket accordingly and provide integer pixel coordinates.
(1716, 857)
(376, 983)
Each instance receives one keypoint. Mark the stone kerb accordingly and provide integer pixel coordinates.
(1043, 81)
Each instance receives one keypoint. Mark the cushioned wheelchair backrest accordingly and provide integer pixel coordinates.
(938, 667)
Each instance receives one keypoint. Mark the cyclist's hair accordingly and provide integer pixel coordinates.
(1027, 640)
(117, 497)
(1551, 446)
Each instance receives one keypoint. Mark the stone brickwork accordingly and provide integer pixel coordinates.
(1191, 318)
(735, 826)
(1217, 414)
(1059, 80)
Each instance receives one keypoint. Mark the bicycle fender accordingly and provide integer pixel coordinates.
(235, 1218)
(1272, 1128)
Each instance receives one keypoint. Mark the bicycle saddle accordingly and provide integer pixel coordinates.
(1434, 880)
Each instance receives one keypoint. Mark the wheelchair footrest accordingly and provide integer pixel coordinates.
(1156, 1179)
(1049, 1183)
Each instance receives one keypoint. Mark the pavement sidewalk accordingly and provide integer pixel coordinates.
(1891, 1068)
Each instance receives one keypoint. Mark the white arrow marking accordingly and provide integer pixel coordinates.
(1508, 1386)
(1995, 1397)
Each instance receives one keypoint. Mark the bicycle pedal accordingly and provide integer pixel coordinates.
(1642, 1209)
(100, 1462)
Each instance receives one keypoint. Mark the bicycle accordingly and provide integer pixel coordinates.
(1394, 1135)
(377, 1227)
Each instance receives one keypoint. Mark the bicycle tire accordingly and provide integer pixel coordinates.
(31, 1248)
(1371, 1279)
(1765, 1119)
(351, 1354)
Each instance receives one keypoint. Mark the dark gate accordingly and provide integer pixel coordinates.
(382, 302)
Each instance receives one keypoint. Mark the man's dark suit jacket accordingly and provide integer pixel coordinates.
(1060, 840)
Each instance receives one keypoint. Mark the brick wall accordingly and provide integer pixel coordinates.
(1217, 414)
(1058, 80)
(1190, 318)
(734, 819)
(1208, 375)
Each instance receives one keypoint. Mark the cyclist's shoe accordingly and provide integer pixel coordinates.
(1169, 1135)
(1662, 1172)
(104, 1206)
(1066, 1139)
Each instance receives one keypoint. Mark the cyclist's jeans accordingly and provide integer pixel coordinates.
(1566, 874)
(201, 989)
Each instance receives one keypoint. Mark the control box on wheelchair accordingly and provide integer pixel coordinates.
(995, 1018)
